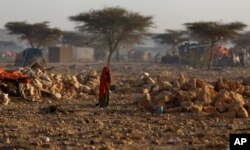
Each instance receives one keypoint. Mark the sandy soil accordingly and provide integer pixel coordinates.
(78, 124)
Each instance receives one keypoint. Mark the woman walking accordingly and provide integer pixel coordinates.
(105, 81)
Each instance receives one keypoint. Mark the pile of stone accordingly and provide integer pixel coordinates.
(57, 86)
(90, 82)
(145, 81)
(194, 95)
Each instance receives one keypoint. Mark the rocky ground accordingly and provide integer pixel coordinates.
(78, 124)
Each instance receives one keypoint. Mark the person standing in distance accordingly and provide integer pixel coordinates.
(104, 87)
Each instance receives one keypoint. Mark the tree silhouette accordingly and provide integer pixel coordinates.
(37, 35)
(113, 24)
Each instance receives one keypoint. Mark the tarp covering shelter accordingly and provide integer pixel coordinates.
(82, 53)
(30, 56)
(10, 81)
(14, 76)
(220, 50)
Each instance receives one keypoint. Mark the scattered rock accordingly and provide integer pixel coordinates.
(242, 113)
(194, 95)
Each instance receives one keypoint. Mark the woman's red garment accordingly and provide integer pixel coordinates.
(105, 81)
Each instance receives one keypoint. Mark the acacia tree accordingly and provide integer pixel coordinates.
(113, 24)
(37, 35)
(214, 32)
(172, 37)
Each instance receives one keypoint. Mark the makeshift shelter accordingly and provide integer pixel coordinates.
(60, 54)
(83, 54)
(30, 56)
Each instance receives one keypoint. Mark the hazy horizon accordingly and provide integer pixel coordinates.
(168, 14)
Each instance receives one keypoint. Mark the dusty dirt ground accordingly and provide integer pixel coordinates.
(78, 124)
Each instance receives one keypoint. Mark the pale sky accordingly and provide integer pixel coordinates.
(168, 14)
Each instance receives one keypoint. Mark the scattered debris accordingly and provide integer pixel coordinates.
(45, 138)
(4, 99)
